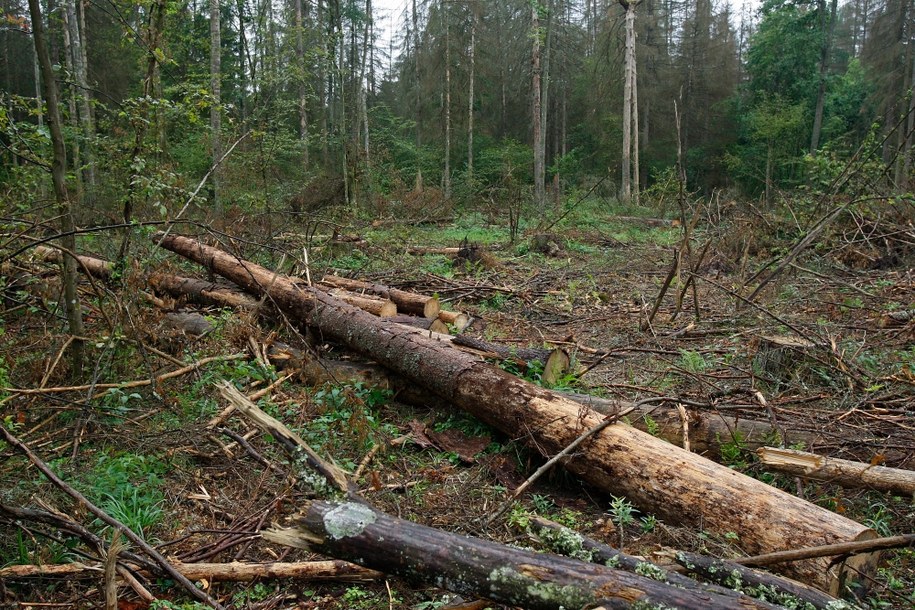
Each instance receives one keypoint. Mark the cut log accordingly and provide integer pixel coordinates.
(435, 325)
(656, 476)
(376, 307)
(841, 472)
(419, 250)
(97, 267)
(407, 302)
(460, 321)
(527, 354)
(471, 566)
(201, 292)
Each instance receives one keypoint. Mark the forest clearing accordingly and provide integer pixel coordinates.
(457, 304)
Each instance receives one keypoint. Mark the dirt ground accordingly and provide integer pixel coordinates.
(814, 352)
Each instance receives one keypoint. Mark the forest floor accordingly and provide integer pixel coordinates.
(146, 455)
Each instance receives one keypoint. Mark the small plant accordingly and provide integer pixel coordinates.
(651, 426)
(732, 451)
(692, 362)
(648, 524)
(542, 504)
(519, 517)
(622, 512)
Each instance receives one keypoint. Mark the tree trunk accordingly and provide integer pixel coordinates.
(446, 177)
(82, 90)
(472, 77)
(72, 106)
(826, 31)
(419, 101)
(216, 103)
(657, 477)
(300, 76)
(626, 170)
(536, 116)
(68, 277)
(472, 566)
(545, 89)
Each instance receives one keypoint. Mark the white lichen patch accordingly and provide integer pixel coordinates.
(349, 519)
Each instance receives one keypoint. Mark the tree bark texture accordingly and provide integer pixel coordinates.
(407, 302)
(68, 278)
(471, 566)
(536, 117)
(216, 103)
(657, 477)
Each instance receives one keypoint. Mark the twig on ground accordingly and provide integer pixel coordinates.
(829, 550)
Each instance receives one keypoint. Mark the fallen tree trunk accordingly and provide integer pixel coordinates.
(377, 307)
(478, 567)
(97, 267)
(201, 292)
(408, 302)
(434, 324)
(708, 430)
(656, 476)
(720, 572)
(841, 472)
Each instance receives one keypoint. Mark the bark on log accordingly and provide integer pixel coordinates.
(460, 321)
(657, 477)
(713, 570)
(734, 575)
(435, 325)
(201, 292)
(708, 430)
(99, 268)
(528, 354)
(841, 472)
(408, 302)
(376, 307)
(420, 250)
(466, 565)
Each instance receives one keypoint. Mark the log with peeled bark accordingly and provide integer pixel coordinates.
(407, 302)
(382, 308)
(657, 477)
(465, 565)
(236, 571)
(846, 473)
(435, 325)
(96, 267)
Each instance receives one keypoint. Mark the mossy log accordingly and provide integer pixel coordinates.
(472, 566)
(657, 477)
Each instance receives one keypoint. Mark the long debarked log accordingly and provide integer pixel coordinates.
(841, 472)
(235, 571)
(95, 266)
(658, 477)
(466, 565)
(408, 302)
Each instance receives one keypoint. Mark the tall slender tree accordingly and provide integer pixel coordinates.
(72, 306)
(216, 104)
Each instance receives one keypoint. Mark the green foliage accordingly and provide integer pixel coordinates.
(621, 511)
(691, 361)
(128, 486)
(733, 451)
